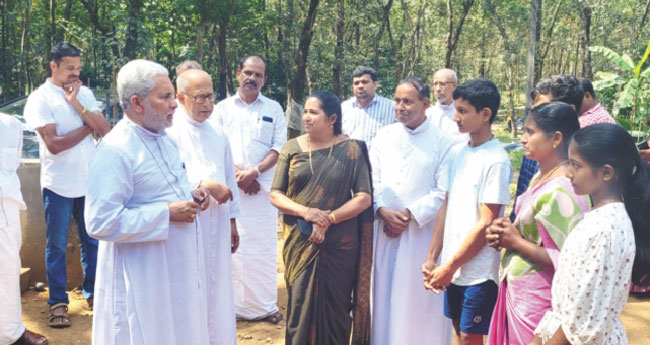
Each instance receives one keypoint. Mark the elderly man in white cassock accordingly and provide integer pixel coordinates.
(150, 286)
(407, 160)
(205, 151)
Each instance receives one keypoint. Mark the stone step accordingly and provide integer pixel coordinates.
(25, 277)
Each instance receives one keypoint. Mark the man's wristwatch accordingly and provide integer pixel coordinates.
(257, 171)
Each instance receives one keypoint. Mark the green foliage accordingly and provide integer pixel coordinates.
(167, 32)
(633, 88)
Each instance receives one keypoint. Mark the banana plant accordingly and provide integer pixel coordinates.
(634, 88)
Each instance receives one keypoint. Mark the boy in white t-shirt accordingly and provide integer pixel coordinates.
(477, 182)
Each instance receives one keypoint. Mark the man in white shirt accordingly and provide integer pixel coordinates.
(12, 329)
(65, 114)
(407, 160)
(151, 285)
(442, 113)
(205, 151)
(256, 128)
(367, 112)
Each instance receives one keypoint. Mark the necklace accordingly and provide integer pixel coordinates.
(171, 185)
(309, 149)
(546, 176)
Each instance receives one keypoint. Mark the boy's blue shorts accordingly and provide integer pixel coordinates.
(473, 305)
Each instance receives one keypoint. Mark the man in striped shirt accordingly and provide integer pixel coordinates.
(366, 112)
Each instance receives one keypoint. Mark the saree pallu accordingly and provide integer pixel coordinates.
(326, 281)
(546, 213)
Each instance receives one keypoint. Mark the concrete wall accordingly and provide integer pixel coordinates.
(32, 252)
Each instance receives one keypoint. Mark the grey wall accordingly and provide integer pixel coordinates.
(32, 252)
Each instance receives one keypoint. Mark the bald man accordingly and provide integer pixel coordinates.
(205, 152)
(441, 114)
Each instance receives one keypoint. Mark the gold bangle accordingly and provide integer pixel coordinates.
(332, 218)
(83, 110)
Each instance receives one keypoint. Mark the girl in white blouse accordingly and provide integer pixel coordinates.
(597, 262)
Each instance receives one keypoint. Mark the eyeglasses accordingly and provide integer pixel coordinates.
(200, 99)
(443, 83)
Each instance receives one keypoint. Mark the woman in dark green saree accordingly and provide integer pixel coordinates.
(324, 178)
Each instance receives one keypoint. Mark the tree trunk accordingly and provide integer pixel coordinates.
(211, 47)
(535, 9)
(24, 47)
(585, 15)
(223, 57)
(384, 24)
(542, 52)
(3, 58)
(51, 6)
(108, 33)
(298, 83)
(199, 36)
(338, 49)
(508, 58)
(66, 16)
(454, 34)
(644, 17)
(133, 23)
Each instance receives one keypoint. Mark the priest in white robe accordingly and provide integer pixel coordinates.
(441, 114)
(407, 160)
(150, 286)
(205, 151)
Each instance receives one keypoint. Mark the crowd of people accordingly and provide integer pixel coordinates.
(392, 211)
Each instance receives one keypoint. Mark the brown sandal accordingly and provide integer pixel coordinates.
(58, 315)
(31, 338)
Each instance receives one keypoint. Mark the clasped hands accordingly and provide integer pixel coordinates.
(395, 222)
(247, 180)
(185, 211)
(502, 234)
(436, 278)
(320, 223)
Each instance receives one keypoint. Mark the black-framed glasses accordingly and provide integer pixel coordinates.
(200, 99)
(443, 83)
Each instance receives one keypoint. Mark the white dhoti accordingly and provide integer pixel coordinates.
(254, 265)
(11, 322)
(215, 222)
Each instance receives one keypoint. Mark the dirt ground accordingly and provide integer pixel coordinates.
(635, 317)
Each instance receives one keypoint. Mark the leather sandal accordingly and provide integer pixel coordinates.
(31, 338)
(273, 318)
(58, 315)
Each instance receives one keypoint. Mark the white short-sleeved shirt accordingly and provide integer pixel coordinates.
(253, 130)
(64, 173)
(11, 143)
(592, 281)
(475, 176)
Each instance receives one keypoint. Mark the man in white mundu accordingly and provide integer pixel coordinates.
(407, 160)
(205, 151)
(12, 329)
(150, 286)
(256, 128)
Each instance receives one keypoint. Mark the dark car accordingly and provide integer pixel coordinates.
(16, 106)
